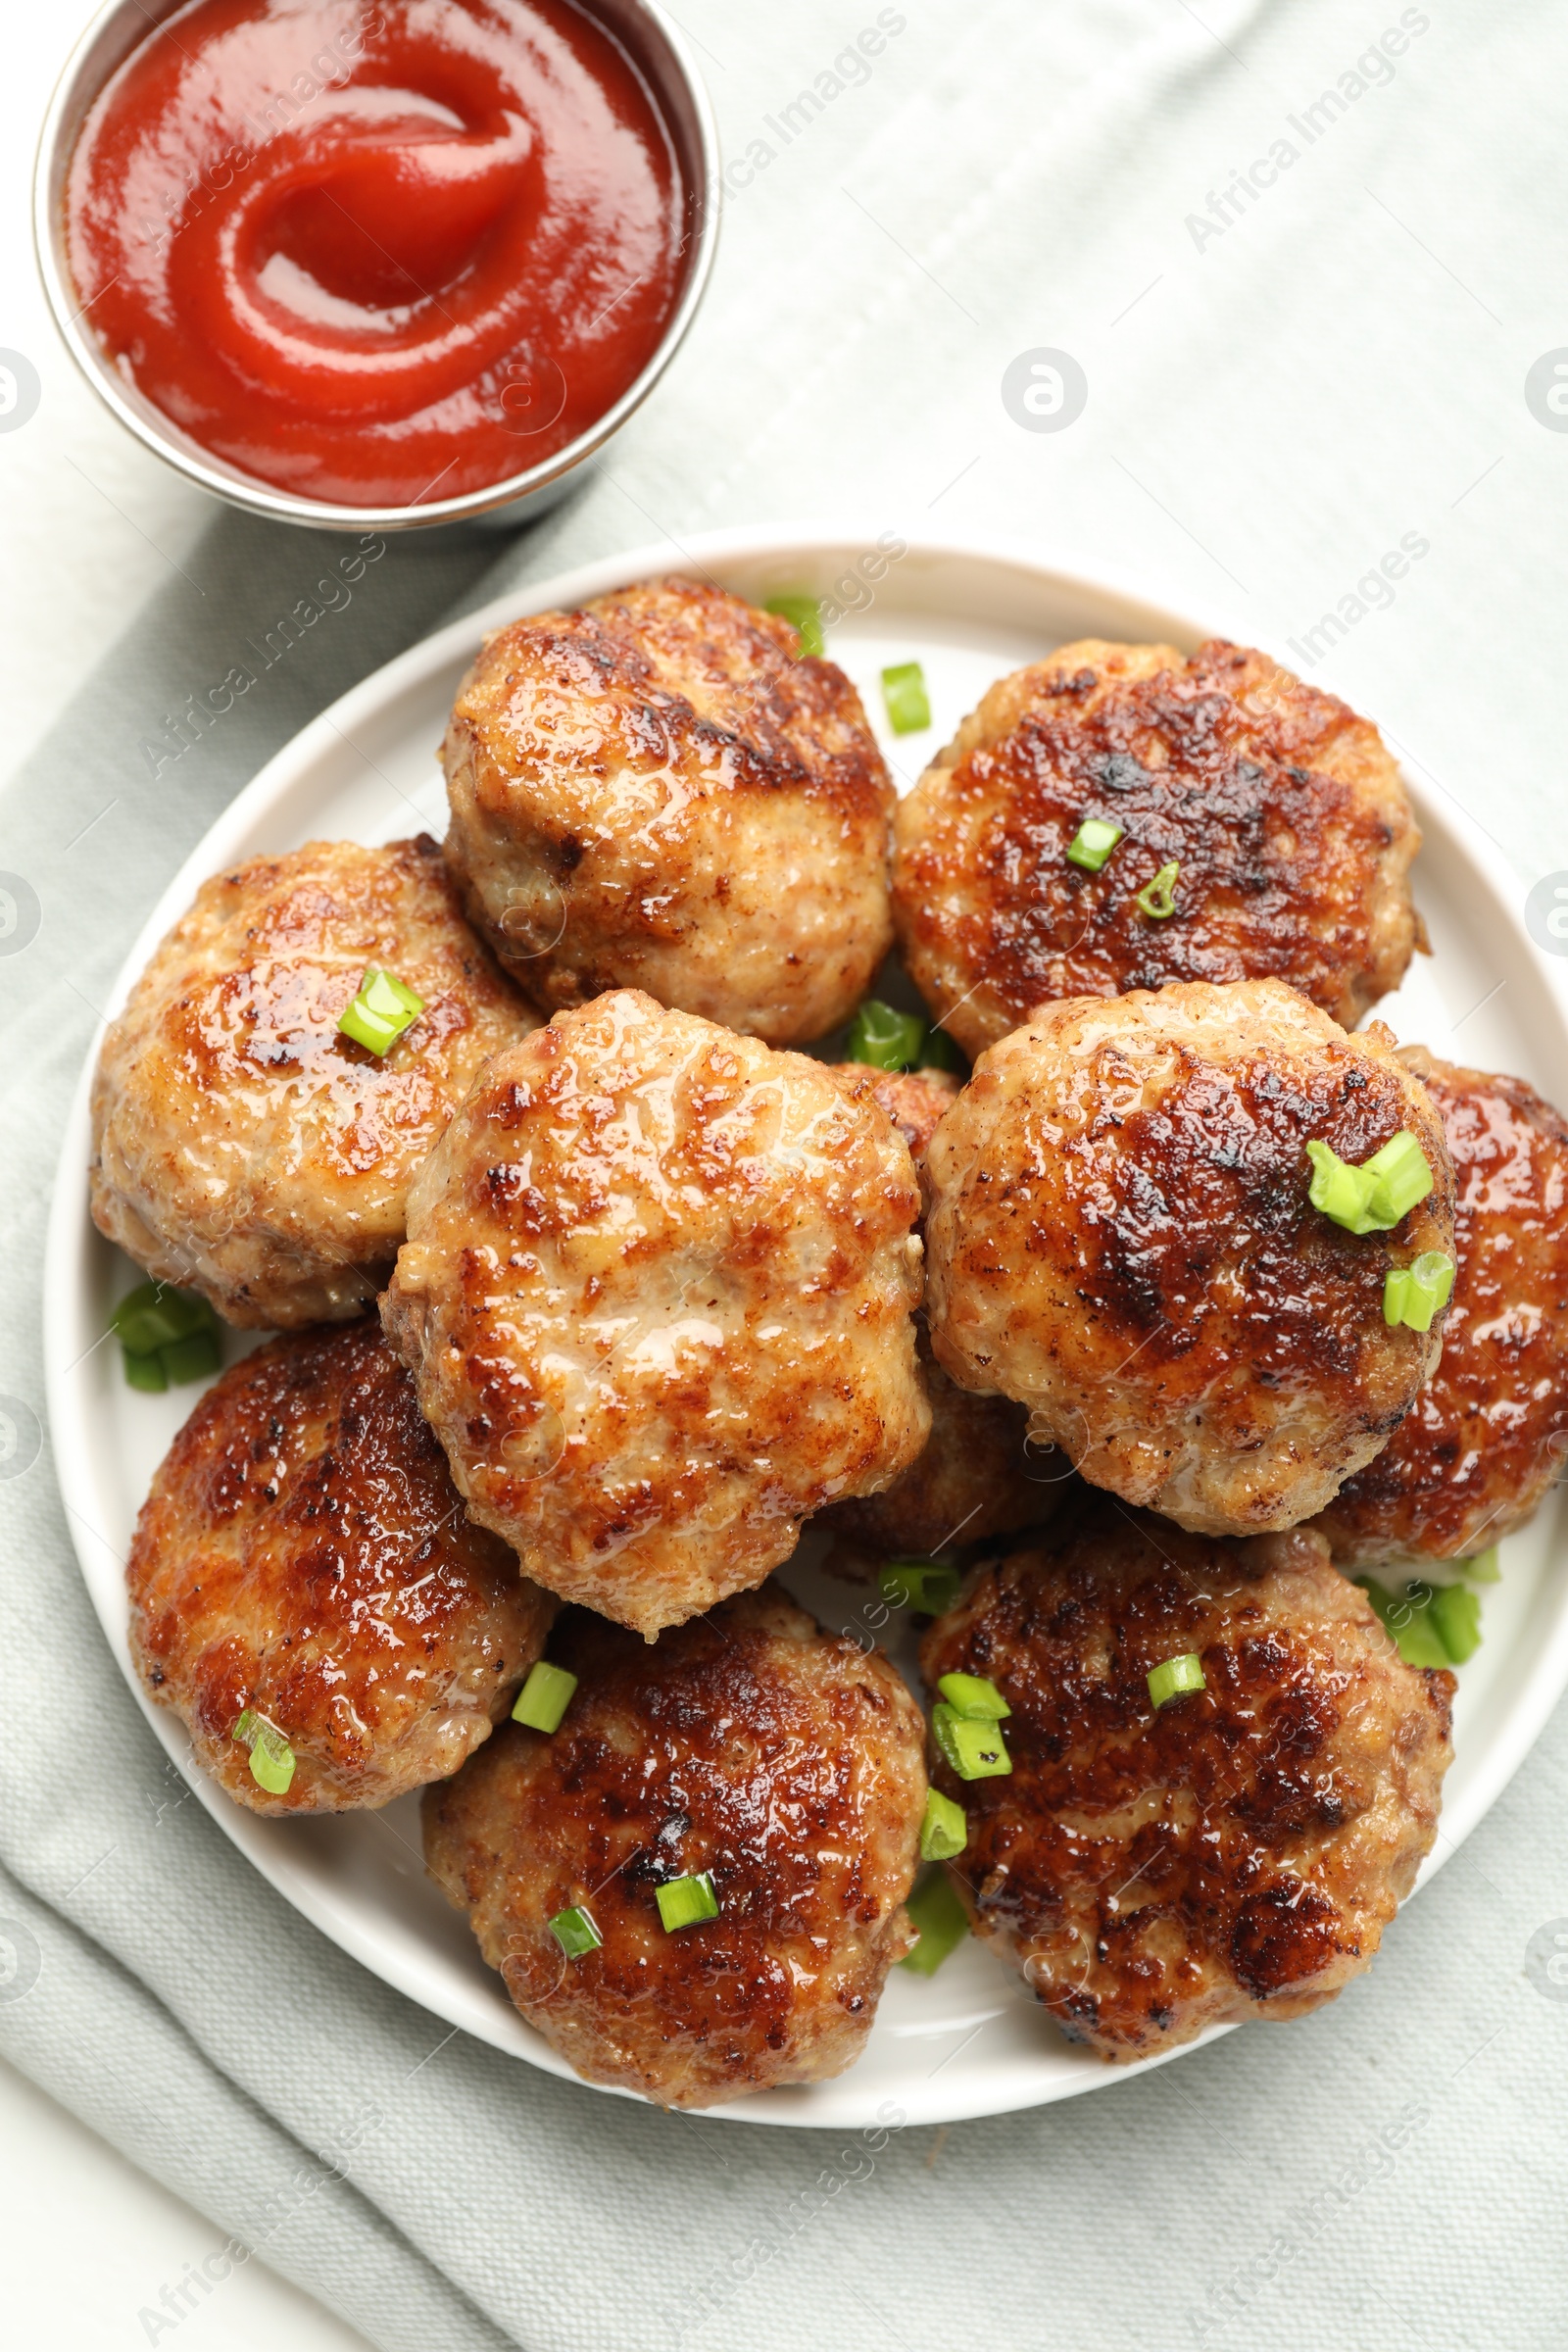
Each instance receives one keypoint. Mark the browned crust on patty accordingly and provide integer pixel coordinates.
(1235, 1853)
(659, 791)
(303, 1552)
(1283, 809)
(1121, 1237)
(657, 1297)
(747, 1744)
(978, 1476)
(242, 1144)
(1487, 1435)
(916, 1100)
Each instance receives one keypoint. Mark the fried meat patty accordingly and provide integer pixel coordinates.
(978, 1474)
(657, 1297)
(242, 1146)
(1234, 1853)
(659, 792)
(747, 1744)
(916, 1100)
(1120, 1237)
(304, 1555)
(1282, 809)
(1487, 1435)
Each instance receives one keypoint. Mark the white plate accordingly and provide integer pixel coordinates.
(969, 2041)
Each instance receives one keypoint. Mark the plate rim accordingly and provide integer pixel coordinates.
(69, 1231)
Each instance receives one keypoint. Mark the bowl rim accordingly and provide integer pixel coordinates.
(69, 103)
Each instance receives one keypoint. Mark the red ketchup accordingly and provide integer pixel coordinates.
(377, 256)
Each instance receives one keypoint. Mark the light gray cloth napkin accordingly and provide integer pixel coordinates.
(1290, 361)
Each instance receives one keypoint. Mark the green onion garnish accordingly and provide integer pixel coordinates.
(804, 616)
(166, 1335)
(936, 1909)
(1374, 1197)
(1168, 1681)
(909, 704)
(972, 1746)
(381, 1013)
(1431, 1625)
(271, 1757)
(1482, 1568)
(945, 1830)
(1342, 1192)
(195, 1359)
(1092, 843)
(683, 1902)
(929, 1586)
(544, 1697)
(1157, 897)
(575, 1933)
(1414, 1293)
(886, 1039)
(1456, 1614)
(154, 1316)
(1404, 1177)
(973, 1697)
(939, 1052)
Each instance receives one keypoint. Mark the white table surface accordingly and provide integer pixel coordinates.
(87, 2242)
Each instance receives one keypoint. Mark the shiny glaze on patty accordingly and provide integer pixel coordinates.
(241, 1142)
(659, 791)
(1283, 809)
(1234, 1853)
(1487, 1435)
(1121, 1237)
(747, 1743)
(657, 1297)
(304, 1553)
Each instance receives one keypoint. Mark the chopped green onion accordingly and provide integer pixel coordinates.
(1414, 1293)
(1403, 1174)
(381, 1011)
(1374, 1197)
(544, 1697)
(155, 1315)
(945, 1830)
(1481, 1567)
(804, 616)
(1408, 1621)
(389, 995)
(909, 704)
(884, 1038)
(195, 1359)
(973, 1697)
(683, 1902)
(1342, 1192)
(1157, 897)
(1176, 1674)
(1455, 1612)
(1092, 843)
(939, 1052)
(973, 1746)
(366, 1028)
(271, 1757)
(930, 1586)
(166, 1335)
(937, 1911)
(575, 1933)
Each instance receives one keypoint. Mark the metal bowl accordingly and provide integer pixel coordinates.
(661, 55)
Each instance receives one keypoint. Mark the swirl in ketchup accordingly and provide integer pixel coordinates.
(377, 256)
